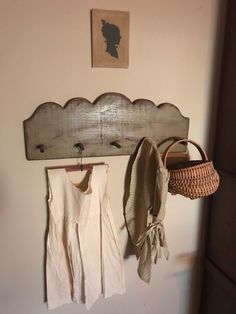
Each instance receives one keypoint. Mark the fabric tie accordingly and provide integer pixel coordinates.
(155, 234)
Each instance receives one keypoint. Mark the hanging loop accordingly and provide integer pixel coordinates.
(80, 148)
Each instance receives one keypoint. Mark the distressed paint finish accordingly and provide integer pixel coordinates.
(111, 118)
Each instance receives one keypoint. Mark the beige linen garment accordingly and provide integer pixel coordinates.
(145, 207)
(84, 258)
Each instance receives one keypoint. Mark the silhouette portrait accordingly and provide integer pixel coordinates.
(110, 38)
(111, 33)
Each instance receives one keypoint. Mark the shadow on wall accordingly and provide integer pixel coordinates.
(197, 274)
(45, 242)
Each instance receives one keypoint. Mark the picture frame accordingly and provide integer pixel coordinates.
(110, 38)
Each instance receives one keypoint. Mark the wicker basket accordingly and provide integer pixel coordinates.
(193, 179)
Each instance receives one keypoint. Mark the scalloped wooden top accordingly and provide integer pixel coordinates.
(112, 125)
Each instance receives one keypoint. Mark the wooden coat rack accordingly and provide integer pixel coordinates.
(112, 125)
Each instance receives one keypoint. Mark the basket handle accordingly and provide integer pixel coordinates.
(200, 149)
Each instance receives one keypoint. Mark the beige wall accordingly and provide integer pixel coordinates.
(45, 56)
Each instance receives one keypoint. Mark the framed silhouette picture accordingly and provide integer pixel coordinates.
(110, 38)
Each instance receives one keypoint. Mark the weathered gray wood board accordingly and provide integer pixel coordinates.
(52, 131)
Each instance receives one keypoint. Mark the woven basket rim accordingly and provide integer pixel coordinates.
(191, 165)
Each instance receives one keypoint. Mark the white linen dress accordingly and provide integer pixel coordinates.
(84, 258)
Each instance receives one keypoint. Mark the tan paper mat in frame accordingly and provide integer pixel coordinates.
(110, 38)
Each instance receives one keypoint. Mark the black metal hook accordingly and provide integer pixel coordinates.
(79, 146)
(116, 144)
(41, 147)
